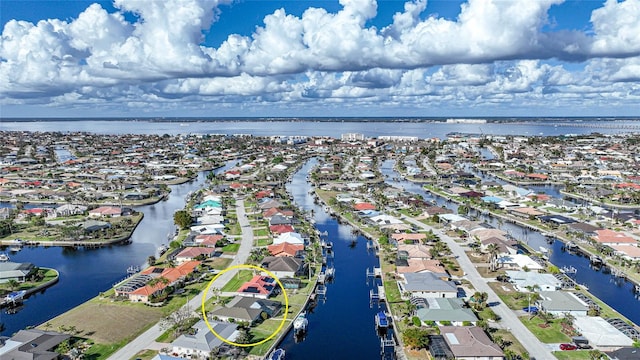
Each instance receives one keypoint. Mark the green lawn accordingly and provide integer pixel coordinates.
(263, 242)
(391, 291)
(551, 334)
(49, 275)
(242, 277)
(261, 232)
(231, 248)
(219, 263)
(572, 355)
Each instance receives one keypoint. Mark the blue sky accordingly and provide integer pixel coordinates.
(314, 58)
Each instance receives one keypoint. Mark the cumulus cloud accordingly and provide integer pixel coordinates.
(494, 50)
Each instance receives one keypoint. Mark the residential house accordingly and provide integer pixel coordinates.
(441, 310)
(413, 251)
(259, 287)
(290, 237)
(69, 210)
(33, 344)
(105, 211)
(416, 265)
(193, 253)
(207, 240)
(407, 237)
(15, 271)
(560, 303)
(526, 281)
(247, 309)
(285, 249)
(464, 342)
(280, 229)
(284, 266)
(610, 237)
(426, 285)
(200, 341)
(137, 289)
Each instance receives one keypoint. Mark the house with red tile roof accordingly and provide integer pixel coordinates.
(610, 237)
(280, 229)
(363, 206)
(172, 275)
(285, 249)
(208, 240)
(259, 286)
(105, 211)
(190, 253)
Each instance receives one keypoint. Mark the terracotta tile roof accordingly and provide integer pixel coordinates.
(284, 249)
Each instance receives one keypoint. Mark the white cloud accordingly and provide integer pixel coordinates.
(493, 52)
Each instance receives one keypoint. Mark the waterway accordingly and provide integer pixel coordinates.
(84, 273)
(343, 326)
(616, 293)
(318, 128)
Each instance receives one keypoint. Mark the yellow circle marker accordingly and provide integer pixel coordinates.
(286, 305)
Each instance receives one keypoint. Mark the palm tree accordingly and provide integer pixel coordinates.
(493, 251)
(13, 284)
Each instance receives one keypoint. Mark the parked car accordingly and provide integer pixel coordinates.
(568, 347)
(530, 309)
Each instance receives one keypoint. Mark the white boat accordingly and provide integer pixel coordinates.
(277, 354)
(15, 248)
(301, 322)
(4, 257)
(15, 296)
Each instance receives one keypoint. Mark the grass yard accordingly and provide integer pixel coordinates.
(261, 232)
(573, 355)
(514, 345)
(513, 299)
(231, 248)
(105, 322)
(219, 263)
(551, 334)
(391, 291)
(242, 277)
(145, 355)
(263, 242)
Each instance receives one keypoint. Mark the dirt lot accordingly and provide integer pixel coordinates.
(106, 323)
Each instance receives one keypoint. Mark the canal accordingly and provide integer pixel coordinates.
(84, 273)
(343, 326)
(615, 292)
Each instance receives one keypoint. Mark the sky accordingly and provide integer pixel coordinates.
(260, 58)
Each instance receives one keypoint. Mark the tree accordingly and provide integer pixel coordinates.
(479, 300)
(13, 284)
(182, 218)
(493, 251)
(416, 338)
(151, 260)
(179, 320)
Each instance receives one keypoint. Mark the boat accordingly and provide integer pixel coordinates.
(381, 320)
(300, 323)
(571, 246)
(4, 257)
(569, 270)
(162, 249)
(15, 248)
(133, 269)
(277, 354)
(14, 297)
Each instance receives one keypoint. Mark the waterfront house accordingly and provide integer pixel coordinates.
(70, 210)
(259, 287)
(33, 344)
(284, 266)
(601, 333)
(413, 251)
(290, 237)
(408, 238)
(90, 226)
(207, 240)
(525, 280)
(561, 303)
(105, 211)
(631, 252)
(464, 342)
(426, 285)
(610, 237)
(583, 229)
(199, 341)
(15, 271)
(247, 309)
(137, 288)
(192, 253)
(285, 249)
(280, 229)
(445, 310)
(416, 265)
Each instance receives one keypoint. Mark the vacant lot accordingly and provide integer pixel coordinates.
(106, 323)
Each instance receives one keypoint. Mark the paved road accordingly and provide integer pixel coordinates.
(508, 318)
(147, 339)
